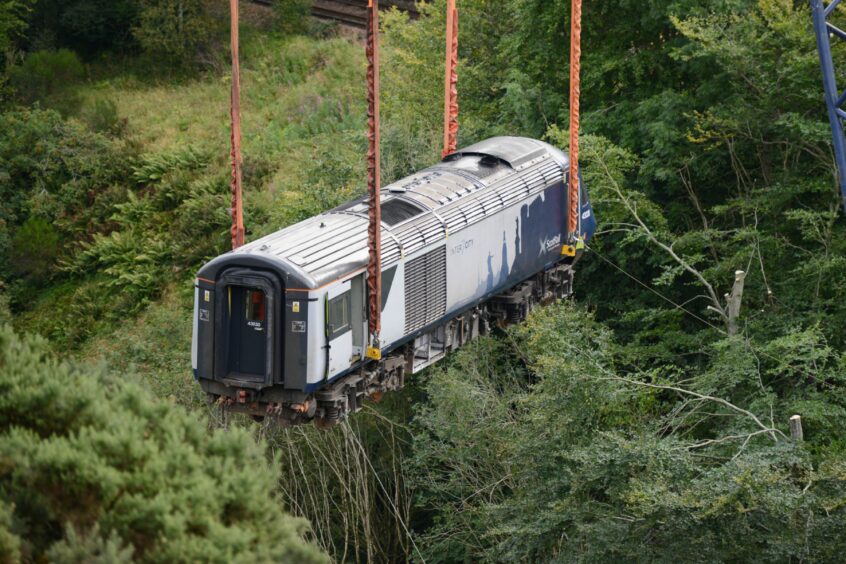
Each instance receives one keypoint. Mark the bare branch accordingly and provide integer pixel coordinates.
(727, 438)
(712, 294)
(769, 430)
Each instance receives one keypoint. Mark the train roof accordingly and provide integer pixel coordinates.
(464, 188)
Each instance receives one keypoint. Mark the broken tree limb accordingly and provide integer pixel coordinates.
(796, 432)
(734, 300)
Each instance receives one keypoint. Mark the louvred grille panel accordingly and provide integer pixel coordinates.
(425, 289)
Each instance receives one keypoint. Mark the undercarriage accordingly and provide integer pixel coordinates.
(334, 402)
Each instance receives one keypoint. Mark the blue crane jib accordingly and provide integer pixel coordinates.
(834, 99)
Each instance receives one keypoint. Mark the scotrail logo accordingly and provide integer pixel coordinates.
(550, 244)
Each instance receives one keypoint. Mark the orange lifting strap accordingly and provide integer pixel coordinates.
(573, 236)
(451, 81)
(237, 230)
(374, 230)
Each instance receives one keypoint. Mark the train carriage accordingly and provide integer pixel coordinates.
(280, 324)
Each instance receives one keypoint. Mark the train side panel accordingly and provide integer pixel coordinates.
(393, 300)
(506, 248)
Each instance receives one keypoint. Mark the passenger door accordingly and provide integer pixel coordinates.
(247, 320)
(339, 334)
(248, 332)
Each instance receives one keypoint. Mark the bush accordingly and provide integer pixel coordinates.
(558, 455)
(292, 16)
(175, 29)
(94, 469)
(170, 223)
(34, 248)
(43, 75)
(133, 263)
(103, 117)
(55, 166)
(60, 172)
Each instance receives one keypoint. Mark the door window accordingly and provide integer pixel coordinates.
(255, 305)
(338, 316)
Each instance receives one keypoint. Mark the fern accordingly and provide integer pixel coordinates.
(133, 263)
(153, 168)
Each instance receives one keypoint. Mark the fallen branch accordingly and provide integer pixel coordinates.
(764, 429)
(712, 294)
(727, 438)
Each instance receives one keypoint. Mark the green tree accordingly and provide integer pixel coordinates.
(12, 21)
(292, 16)
(558, 455)
(48, 76)
(176, 29)
(87, 27)
(92, 467)
(34, 248)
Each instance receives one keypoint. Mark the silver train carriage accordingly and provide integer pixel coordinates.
(280, 324)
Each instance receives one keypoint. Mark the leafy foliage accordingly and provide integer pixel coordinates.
(44, 74)
(292, 16)
(56, 181)
(155, 167)
(12, 21)
(94, 468)
(56, 168)
(136, 255)
(34, 248)
(574, 461)
(103, 117)
(176, 29)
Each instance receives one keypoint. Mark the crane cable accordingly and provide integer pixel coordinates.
(451, 81)
(574, 240)
(374, 229)
(237, 229)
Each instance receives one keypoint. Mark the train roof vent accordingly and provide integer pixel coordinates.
(480, 166)
(516, 152)
(397, 210)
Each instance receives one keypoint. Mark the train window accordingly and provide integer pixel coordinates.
(339, 315)
(255, 305)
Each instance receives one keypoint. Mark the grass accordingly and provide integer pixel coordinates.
(292, 89)
(300, 97)
(155, 346)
